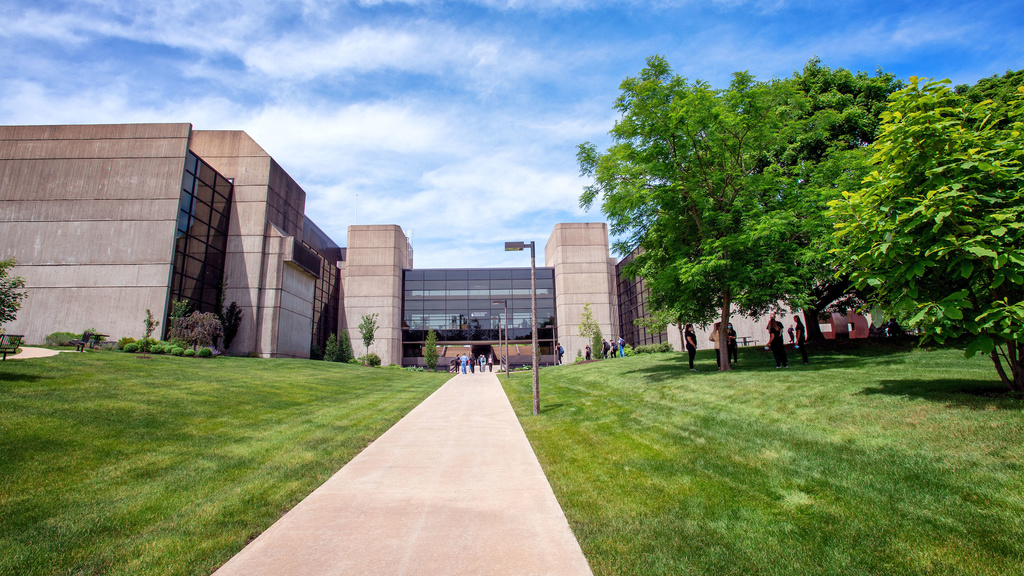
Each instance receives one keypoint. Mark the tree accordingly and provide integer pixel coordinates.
(938, 227)
(367, 328)
(10, 292)
(430, 350)
(150, 323)
(590, 329)
(690, 180)
(825, 152)
(332, 350)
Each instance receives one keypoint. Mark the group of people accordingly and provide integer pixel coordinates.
(472, 363)
(776, 343)
(616, 347)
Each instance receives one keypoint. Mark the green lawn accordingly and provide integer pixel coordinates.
(111, 464)
(874, 462)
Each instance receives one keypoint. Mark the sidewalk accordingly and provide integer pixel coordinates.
(452, 488)
(28, 352)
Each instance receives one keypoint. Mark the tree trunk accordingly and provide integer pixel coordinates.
(1014, 354)
(814, 333)
(723, 332)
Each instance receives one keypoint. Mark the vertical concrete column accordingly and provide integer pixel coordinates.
(584, 274)
(375, 260)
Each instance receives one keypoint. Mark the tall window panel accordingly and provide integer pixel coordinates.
(633, 296)
(201, 237)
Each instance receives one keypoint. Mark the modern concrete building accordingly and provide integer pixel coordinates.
(108, 221)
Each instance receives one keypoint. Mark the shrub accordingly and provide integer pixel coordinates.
(346, 347)
(131, 347)
(122, 342)
(230, 320)
(146, 344)
(332, 352)
(315, 353)
(352, 361)
(198, 329)
(189, 353)
(370, 359)
(60, 339)
(654, 348)
(628, 351)
(157, 349)
(177, 351)
(205, 353)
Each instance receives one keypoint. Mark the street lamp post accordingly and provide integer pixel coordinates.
(505, 357)
(515, 247)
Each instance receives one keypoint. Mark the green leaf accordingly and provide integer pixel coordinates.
(953, 313)
(966, 268)
(981, 251)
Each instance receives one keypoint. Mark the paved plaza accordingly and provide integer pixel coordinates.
(453, 488)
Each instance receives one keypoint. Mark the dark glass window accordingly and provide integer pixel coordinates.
(198, 267)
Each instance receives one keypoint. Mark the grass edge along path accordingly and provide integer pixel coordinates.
(864, 462)
(112, 464)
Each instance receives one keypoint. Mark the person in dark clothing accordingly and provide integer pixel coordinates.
(734, 348)
(586, 356)
(691, 344)
(801, 337)
(605, 347)
(776, 343)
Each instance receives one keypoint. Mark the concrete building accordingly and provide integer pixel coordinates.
(109, 221)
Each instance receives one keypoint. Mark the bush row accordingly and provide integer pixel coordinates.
(173, 348)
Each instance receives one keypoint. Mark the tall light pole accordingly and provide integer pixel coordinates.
(516, 247)
(505, 357)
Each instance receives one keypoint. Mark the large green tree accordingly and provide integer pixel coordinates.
(938, 227)
(825, 152)
(690, 180)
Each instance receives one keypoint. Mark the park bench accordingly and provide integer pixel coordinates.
(86, 339)
(9, 343)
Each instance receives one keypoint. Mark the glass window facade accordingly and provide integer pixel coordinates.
(327, 288)
(459, 305)
(201, 237)
(633, 296)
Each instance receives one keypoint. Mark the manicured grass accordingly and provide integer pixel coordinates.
(874, 462)
(110, 464)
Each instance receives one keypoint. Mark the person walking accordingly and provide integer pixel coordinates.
(622, 347)
(463, 360)
(587, 353)
(472, 364)
(718, 349)
(691, 344)
(775, 342)
(560, 351)
(792, 337)
(605, 347)
(801, 337)
(733, 351)
(483, 363)
(490, 362)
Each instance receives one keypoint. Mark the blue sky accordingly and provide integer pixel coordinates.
(458, 121)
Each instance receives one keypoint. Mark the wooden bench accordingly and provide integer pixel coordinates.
(9, 343)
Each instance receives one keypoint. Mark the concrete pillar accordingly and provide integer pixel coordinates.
(376, 257)
(584, 274)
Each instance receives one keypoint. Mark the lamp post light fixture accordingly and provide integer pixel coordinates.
(505, 357)
(516, 247)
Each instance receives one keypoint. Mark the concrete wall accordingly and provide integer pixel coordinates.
(267, 207)
(89, 213)
(376, 258)
(583, 274)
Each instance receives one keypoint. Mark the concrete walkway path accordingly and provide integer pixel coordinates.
(453, 488)
(28, 352)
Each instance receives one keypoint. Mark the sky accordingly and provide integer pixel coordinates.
(458, 121)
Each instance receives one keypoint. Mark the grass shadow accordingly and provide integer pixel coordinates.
(974, 394)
